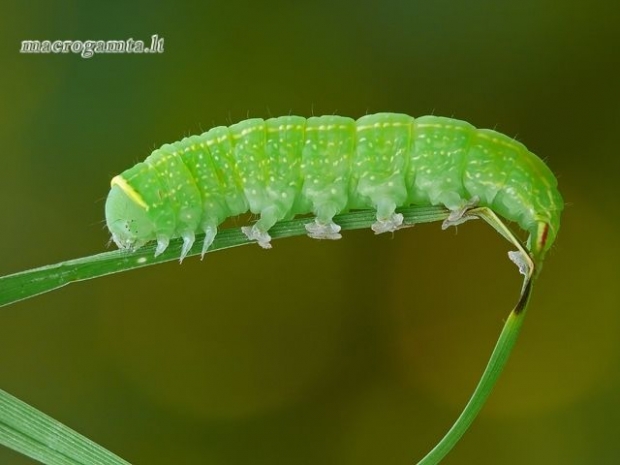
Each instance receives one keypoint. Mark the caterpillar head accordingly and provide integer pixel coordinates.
(127, 217)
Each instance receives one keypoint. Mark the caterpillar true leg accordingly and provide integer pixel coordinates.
(210, 233)
(162, 245)
(188, 241)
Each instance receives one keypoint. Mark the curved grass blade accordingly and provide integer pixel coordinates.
(494, 368)
(503, 347)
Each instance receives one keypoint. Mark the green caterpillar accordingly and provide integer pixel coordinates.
(287, 166)
(290, 165)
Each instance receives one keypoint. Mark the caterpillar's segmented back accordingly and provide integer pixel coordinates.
(290, 165)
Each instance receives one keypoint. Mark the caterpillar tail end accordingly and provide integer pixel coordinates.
(538, 243)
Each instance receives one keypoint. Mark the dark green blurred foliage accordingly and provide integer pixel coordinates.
(361, 351)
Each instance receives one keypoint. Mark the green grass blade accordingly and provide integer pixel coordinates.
(26, 284)
(32, 433)
(494, 368)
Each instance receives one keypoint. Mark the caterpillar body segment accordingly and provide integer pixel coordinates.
(380, 165)
(287, 166)
(329, 146)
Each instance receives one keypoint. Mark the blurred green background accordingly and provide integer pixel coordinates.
(361, 351)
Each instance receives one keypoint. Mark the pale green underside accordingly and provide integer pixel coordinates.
(285, 166)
